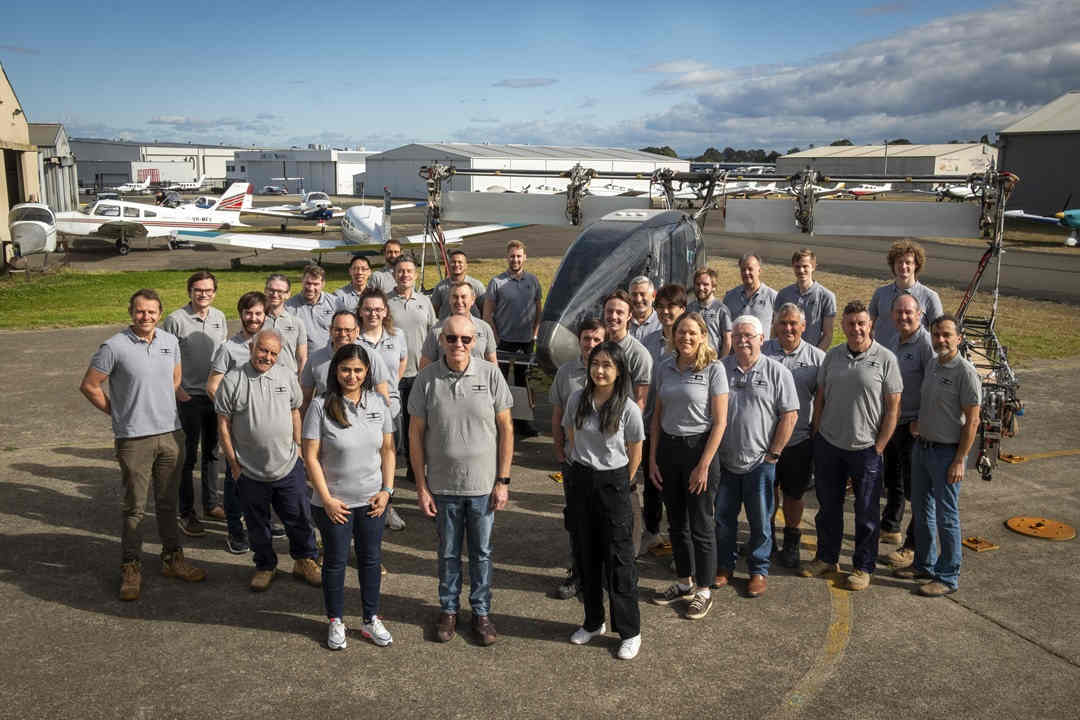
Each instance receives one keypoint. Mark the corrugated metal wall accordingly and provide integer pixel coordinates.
(1049, 169)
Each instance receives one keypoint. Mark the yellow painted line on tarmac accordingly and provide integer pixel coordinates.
(1014, 459)
(832, 651)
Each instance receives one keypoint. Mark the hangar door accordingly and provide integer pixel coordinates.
(13, 176)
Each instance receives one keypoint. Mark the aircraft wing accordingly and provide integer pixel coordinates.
(1021, 215)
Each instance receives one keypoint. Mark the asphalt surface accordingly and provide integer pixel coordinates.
(1005, 645)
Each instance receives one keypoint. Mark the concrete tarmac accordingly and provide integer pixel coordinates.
(1005, 645)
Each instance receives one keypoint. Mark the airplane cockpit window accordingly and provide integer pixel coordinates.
(317, 196)
(103, 210)
(204, 203)
(149, 213)
(172, 200)
(131, 212)
(32, 214)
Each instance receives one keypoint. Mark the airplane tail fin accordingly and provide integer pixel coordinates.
(235, 199)
(363, 224)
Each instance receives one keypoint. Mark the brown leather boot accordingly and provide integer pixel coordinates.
(484, 629)
(130, 580)
(444, 629)
(174, 564)
(307, 570)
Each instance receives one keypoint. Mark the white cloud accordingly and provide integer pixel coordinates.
(519, 83)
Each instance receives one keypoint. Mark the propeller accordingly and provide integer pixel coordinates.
(1061, 215)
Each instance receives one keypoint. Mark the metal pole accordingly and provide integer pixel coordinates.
(886, 171)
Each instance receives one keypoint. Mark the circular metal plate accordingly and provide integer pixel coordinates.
(1041, 528)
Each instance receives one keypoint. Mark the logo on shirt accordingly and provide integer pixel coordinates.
(760, 382)
(873, 363)
(374, 416)
(946, 381)
(479, 388)
(216, 325)
(909, 356)
(166, 351)
(281, 389)
(803, 364)
(696, 379)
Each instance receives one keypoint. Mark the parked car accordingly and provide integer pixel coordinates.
(274, 190)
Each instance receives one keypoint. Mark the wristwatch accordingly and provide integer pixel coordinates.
(388, 490)
(502, 480)
(772, 455)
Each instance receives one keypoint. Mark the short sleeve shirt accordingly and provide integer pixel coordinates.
(817, 303)
(199, 338)
(913, 355)
(756, 400)
(686, 396)
(641, 330)
(803, 362)
(347, 297)
(440, 297)
(855, 389)
(760, 305)
(515, 301)
(717, 319)
(314, 374)
(141, 394)
(568, 378)
(349, 456)
(885, 331)
(293, 335)
(655, 343)
(260, 407)
(638, 360)
(596, 449)
(316, 317)
(946, 390)
(233, 353)
(383, 280)
(413, 317)
(460, 436)
(483, 343)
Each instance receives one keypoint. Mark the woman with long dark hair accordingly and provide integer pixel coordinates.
(604, 432)
(349, 453)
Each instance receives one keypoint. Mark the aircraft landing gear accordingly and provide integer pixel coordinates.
(123, 247)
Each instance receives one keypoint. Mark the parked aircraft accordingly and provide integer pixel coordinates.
(867, 190)
(957, 192)
(1069, 219)
(189, 186)
(316, 206)
(33, 229)
(133, 187)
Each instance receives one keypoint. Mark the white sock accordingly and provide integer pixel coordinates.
(704, 592)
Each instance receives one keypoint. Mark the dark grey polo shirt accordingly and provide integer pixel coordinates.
(482, 344)
(141, 394)
(440, 297)
(199, 339)
(233, 353)
(760, 305)
(638, 360)
(293, 335)
(756, 400)
(655, 343)
(717, 319)
(315, 316)
(594, 448)
(686, 396)
(461, 438)
(568, 378)
(855, 390)
(349, 456)
(642, 330)
(414, 317)
(885, 331)
(946, 390)
(803, 362)
(817, 303)
(515, 305)
(260, 407)
(913, 356)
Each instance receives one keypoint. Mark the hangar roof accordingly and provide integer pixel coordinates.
(1061, 115)
(547, 152)
(44, 134)
(872, 151)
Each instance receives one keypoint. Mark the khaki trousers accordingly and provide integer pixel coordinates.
(153, 461)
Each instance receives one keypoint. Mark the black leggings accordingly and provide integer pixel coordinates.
(690, 516)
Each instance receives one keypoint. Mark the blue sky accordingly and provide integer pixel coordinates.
(627, 74)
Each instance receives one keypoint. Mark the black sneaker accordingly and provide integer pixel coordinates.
(237, 544)
(789, 554)
(191, 525)
(525, 430)
(568, 588)
(277, 530)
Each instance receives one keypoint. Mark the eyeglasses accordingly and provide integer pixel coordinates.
(200, 291)
(270, 291)
(453, 339)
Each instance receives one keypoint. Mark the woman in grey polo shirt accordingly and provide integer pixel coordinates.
(604, 433)
(687, 425)
(349, 453)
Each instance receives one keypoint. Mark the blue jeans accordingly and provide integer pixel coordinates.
(935, 503)
(754, 490)
(366, 534)
(459, 518)
(289, 498)
(832, 468)
(234, 507)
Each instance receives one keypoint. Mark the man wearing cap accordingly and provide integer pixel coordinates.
(712, 309)
(816, 301)
(753, 297)
(461, 301)
(457, 272)
(294, 345)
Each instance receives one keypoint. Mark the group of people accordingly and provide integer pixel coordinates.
(724, 405)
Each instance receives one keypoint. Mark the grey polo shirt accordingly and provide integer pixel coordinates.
(199, 339)
(260, 407)
(316, 316)
(638, 360)
(817, 303)
(569, 378)
(855, 390)
(687, 395)
(440, 297)
(141, 396)
(760, 305)
(383, 280)
(233, 353)
(349, 456)
(414, 317)
(803, 362)
(293, 335)
(913, 355)
(756, 400)
(655, 343)
(460, 438)
(593, 447)
(482, 344)
(315, 372)
(946, 390)
(347, 297)
(515, 301)
(885, 331)
(717, 319)
(642, 330)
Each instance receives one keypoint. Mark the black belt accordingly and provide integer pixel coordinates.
(931, 445)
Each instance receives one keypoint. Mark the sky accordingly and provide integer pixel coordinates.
(628, 74)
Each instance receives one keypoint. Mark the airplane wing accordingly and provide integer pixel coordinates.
(1021, 215)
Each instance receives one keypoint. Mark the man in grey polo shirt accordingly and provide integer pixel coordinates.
(816, 301)
(855, 412)
(344, 330)
(414, 317)
(643, 319)
(142, 366)
(712, 309)
(753, 297)
(294, 348)
(314, 307)
(383, 278)
(457, 272)
(944, 433)
(258, 407)
(913, 354)
(461, 450)
(461, 301)
(639, 361)
(795, 468)
(763, 406)
(201, 329)
(906, 260)
(348, 296)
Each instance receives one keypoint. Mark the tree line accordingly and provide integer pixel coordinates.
(758, 155)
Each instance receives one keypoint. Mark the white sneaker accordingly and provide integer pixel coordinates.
(376, 632)
(582, 636)
(649, 541)
(628, 648)
(335, 638)
(394, 521)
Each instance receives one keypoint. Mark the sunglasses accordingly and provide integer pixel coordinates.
(453, 339)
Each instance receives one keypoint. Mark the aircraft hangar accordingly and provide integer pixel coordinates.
(1044, 150)
(18, 160)
(104, 163)
(944, 159)
(398, 169)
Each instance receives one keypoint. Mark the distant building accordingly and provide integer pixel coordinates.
(57, 174)
(398, 169)
(336, 172)
(18, 159)
(106, 163)
(1044, 150)
(945, 159)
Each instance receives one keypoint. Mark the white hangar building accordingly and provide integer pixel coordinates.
(945, 159)
(104, 163)
(398, 169)
(336, 172)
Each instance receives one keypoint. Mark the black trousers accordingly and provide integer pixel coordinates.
(199, 421)
(404, 388)
(897, 481)
(520, 371)
(652, 505)
(599, 502)
(691, 517)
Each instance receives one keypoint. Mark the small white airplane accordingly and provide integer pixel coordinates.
(868, 190)
(33, 229)
(820, 192)
(195, 185)
(133, 187)
(124, 221)
(957, 193)
(316, 206)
